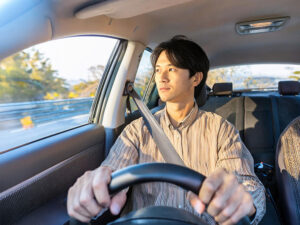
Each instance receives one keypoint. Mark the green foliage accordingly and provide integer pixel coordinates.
(295, 76)
(86, 89)
(28, 76)
(140, 84)
(241, 77)
(216, 76)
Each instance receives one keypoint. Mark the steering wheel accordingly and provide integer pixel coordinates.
(153, 172)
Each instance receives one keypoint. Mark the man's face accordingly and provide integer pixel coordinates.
(173, 84)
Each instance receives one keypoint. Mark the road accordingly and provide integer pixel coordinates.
(19, 136)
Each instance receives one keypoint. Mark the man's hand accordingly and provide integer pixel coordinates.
(226, 200)
(89, 195)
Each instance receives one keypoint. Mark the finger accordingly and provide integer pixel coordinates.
(210, 185)
(117, 202)
(69, 200)
(88, 202)
(73, 208)
(100, 186)
(196, 203)
(78, 207)
(231, 206)
(243, 209)
(222, 195)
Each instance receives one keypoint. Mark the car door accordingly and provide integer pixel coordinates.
(50, 142)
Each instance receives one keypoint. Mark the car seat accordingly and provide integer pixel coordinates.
(288, 172)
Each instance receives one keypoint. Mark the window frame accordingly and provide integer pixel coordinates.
(103, 89)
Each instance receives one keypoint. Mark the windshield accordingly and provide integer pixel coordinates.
(254, 77)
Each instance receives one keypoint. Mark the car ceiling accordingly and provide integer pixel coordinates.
(211, 23)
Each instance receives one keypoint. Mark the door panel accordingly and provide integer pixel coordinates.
(52, 213)
(37, 176)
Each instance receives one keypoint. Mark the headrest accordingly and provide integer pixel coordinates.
(222, 89)
(288, 87)
(202, 97)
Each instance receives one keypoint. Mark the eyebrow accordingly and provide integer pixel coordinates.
(167, 65)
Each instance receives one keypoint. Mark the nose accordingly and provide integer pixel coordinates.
(162, 76)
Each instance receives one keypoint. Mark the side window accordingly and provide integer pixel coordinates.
(142, 82)
(49, 88)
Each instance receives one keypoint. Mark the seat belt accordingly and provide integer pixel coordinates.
(128, 104)
(276, 127)
(162, 141)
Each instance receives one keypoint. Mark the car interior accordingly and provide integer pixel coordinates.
(36, 176)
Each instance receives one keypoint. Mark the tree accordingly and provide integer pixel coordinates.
(249, 82)
(296, 75)
(28, 76)
(141, 82)
(216, 76)
(88, 88)
(96, 72)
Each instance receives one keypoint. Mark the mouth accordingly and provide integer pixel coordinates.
(164, 89)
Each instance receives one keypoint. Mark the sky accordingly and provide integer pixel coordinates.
(72, 57)
(274, 70)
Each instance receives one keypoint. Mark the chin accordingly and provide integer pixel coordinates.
(166, 98)
(163, 99)
(169, 98)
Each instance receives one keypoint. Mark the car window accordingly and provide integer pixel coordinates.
(254, 77)
(142, 83)
(49, 88)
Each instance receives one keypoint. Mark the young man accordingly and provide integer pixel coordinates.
(206, 143)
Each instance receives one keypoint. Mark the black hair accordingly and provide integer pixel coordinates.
(185, 54)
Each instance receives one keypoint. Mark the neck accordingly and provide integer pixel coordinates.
(178, 111)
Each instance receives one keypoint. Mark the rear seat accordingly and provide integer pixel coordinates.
(252, 116)
(258, 129)
(222, 103)
(255, 116)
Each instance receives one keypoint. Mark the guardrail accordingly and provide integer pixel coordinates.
(16, 115)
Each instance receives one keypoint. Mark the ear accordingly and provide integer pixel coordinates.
(197, 78)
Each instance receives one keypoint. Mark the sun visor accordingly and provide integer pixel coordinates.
(23, 32)
(121, 9)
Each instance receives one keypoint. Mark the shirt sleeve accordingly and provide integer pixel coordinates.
(124, 152)
(234, 157)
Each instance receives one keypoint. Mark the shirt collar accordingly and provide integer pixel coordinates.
(187, 121)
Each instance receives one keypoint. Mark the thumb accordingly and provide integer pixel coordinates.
(196, 203)
(117, 202)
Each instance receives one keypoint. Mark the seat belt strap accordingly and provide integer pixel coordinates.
(276, 127)
(128, 104)
(162, 141)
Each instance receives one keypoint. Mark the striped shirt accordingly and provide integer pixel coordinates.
(204, 141)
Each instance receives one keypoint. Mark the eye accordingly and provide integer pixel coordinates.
(157, 70)
(172, 69)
